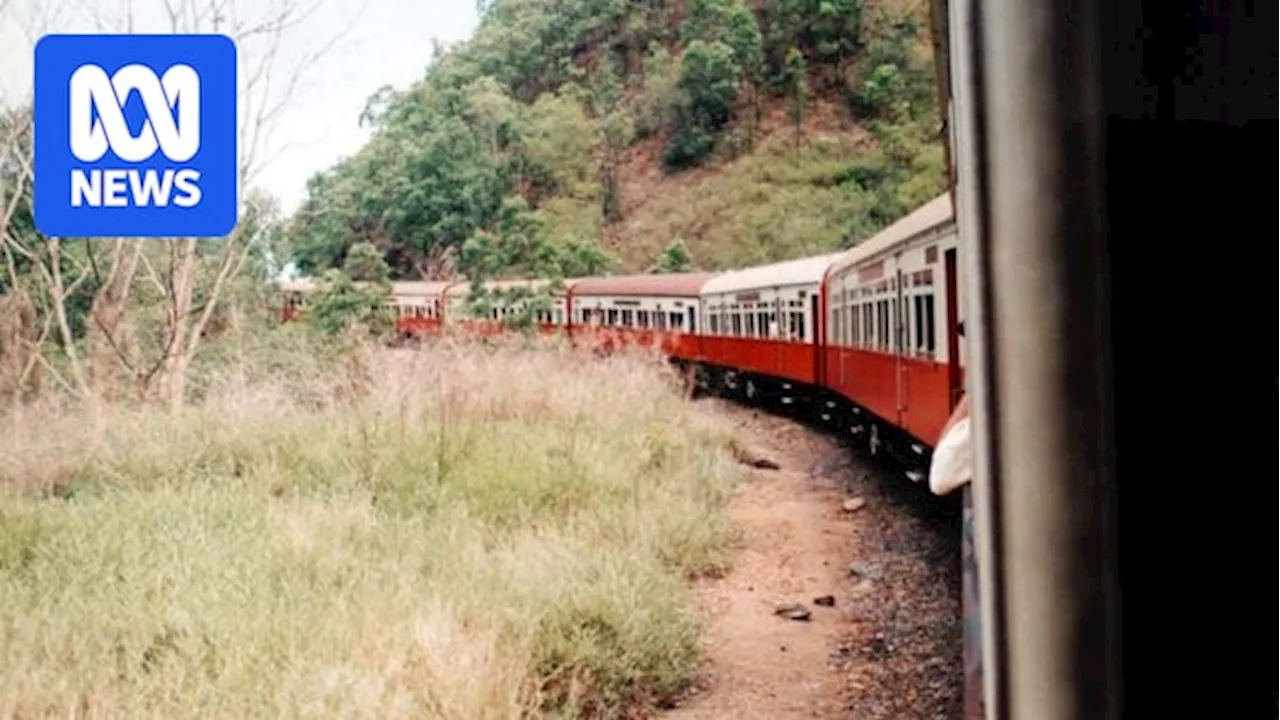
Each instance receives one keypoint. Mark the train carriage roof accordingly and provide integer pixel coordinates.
(803, 271)
(418, 288)
(463, 287)
(666, 285)
(936, 212)
(300, 285)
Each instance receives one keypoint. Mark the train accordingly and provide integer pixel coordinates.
(868, 337)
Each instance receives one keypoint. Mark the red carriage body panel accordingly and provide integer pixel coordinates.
(767, 319)
(788, 360)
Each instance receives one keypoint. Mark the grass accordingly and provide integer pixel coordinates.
(780, 202)
(454, 532)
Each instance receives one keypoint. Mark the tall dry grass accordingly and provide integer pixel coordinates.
(454, 532)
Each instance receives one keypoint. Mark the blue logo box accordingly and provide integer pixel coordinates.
(135, 136)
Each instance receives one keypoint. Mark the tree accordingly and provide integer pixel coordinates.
(709, 87)
(675, 258)
(341, 304)
(796, 84)
(184, 279)
(365, 264)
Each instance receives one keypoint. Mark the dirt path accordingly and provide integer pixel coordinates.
(887, 648)
(795, 546)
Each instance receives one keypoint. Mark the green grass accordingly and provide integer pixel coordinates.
(453, 533)
(779, 203)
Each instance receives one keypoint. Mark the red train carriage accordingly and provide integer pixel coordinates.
(419, 306)
(293, 298)
(761, 327)
(509, 299)
(643, 310)
(892, 345)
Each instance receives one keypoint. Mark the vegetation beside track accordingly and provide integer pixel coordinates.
(453, 531)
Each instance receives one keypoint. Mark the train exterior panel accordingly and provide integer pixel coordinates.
(658, 311)
(419, 306)
(765, 320)
(892, 343)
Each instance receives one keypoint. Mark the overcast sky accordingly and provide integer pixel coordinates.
(382, 42)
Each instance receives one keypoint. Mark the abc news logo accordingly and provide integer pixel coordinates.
(135, 135)
(92, 135)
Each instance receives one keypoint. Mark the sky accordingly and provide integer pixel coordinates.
(374, 43)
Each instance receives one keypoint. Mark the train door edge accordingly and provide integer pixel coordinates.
(899, 345)
(816, 322)
(955, 383)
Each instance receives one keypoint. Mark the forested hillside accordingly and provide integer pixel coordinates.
(569, 137)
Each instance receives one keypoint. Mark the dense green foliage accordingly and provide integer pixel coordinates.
(674, 259)
(355, 296)
(512, 155)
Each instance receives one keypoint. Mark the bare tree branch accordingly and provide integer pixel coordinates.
(60, 309)
(192, 285)
(36, 349)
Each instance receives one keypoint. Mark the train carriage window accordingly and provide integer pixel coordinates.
(889, 329)
(751, 324)
(714, 321)
(612, 317)
(660, 320)
(762, 323)
(875, 313)
(627, 318)
(920, 329)
(904, 342)
(737, 324)
(887, 333)
(836, 326)
(856, 317)
(882, 324)
(675, 321)
(928, 324)
(895, 310)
